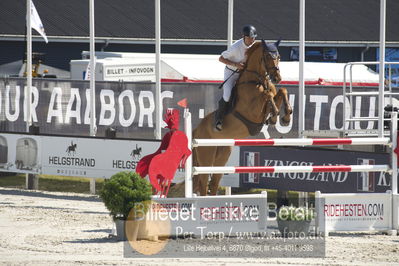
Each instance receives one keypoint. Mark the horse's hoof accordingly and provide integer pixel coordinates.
(285, 122)
(271, 121)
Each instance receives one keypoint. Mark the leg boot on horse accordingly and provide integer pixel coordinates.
(219, 114)
(281, 98)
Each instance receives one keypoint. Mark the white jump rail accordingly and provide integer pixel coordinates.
(291, 142)
(289, 169)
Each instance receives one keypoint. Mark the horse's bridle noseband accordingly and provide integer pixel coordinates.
(261, 79)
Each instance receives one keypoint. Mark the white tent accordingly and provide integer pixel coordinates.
(327, 74)
(207, 68)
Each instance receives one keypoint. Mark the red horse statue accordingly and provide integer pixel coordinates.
(162, 165)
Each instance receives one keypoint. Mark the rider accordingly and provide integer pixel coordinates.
(234, 58)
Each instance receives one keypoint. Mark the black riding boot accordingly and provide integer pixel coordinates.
(219, 114)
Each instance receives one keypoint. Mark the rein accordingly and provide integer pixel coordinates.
(233, 72)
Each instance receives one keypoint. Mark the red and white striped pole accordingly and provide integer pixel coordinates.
(290, 169)
(291, 142)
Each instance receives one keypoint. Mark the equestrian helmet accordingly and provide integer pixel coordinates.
(249, 30)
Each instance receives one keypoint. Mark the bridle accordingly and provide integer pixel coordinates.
(273, 53)
(262, 79)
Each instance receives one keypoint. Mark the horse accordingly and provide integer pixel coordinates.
(136, 153)
(257, 103)
(71, 149)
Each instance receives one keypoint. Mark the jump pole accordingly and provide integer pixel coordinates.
(290, 169)
(291, 142)
(394, 175)
(394, 156)
(188, 190)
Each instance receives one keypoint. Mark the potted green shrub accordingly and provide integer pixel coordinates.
(294, 221)
(123, 192)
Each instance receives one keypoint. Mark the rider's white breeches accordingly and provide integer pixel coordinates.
(229, 84)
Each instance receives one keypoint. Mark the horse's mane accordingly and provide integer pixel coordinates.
(252, 49)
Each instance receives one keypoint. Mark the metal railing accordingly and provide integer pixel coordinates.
(380, 93)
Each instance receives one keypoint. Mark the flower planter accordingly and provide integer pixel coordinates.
(121, 194)
(290, 228)
(130, 230)
(120, 230)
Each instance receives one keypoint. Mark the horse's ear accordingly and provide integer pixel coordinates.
(278, 42)
(264, 44)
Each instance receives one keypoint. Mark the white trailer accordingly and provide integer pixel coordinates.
(115, 69)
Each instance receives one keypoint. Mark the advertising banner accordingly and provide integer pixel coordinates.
(20, 153)
(82, 157)
(356, 212)
(62, 107)
(344, 182)
(71, 156)
(92, 157)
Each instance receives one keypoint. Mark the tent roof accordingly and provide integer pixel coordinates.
(207, 68)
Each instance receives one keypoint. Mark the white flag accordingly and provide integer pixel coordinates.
(36, 22)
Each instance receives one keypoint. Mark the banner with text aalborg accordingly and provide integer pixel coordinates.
(62, 107)
(343, 182)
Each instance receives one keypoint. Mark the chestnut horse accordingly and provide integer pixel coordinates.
(257, 102)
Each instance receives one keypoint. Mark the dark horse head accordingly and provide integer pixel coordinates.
(271, 58)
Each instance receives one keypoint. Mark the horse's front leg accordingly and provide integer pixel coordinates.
(282, 95)
(280, 98)
(273, 108)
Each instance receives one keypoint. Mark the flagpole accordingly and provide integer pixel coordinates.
(93, 127)
(32, 21)
(301, 95)
(158, 100)
(230, 22)
(29, 179)
(28, 64)
(92, 73)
